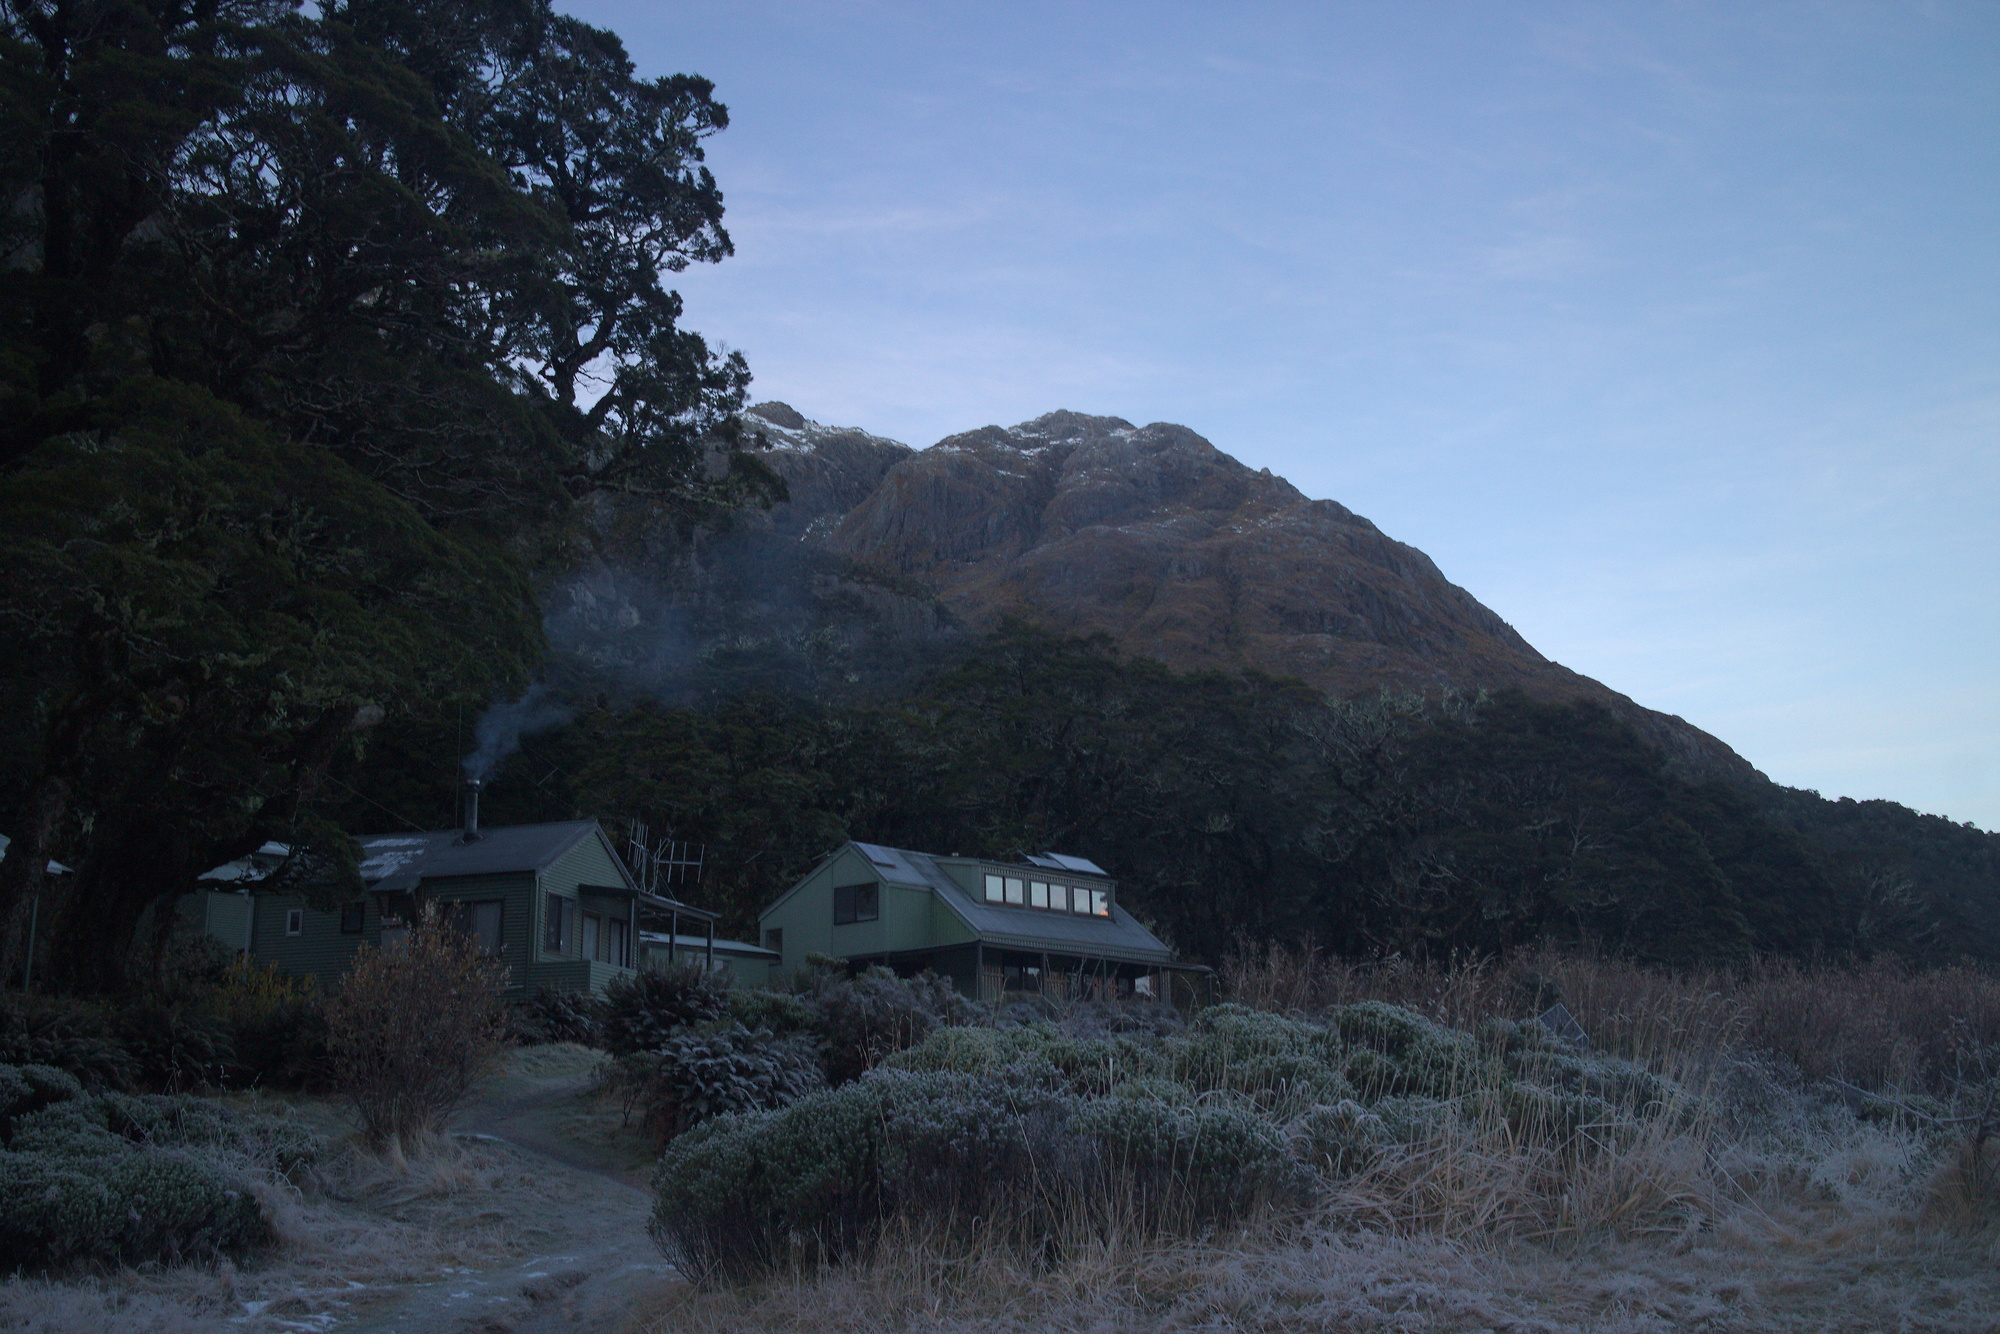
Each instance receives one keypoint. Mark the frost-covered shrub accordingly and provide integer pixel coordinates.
(1338, 1139)
(642, 1011)
(1171, 1166)
(1398, 1051)
(873, 1015)
(114, 1178)
(1087, 1066)
(1274, 1060)
(551, 1014)
(778, 1011)
(1010, 1152)
(697, 1074)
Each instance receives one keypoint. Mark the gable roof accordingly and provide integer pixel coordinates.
(396, 862)
(1118, 936)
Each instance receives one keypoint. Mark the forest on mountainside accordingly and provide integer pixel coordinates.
(1240, 809)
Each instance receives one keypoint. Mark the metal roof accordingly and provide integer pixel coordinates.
(399, 861)
(722, 946)
(1118, 936)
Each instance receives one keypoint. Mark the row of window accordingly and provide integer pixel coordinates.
(1048, 895)
(605, 939)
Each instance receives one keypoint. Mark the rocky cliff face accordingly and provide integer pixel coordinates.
(1173, 548)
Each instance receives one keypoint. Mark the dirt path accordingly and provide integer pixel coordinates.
(580, 1210)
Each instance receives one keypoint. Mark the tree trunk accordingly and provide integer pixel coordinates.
(25, 869)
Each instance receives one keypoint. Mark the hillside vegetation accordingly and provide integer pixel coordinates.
(1240, 808)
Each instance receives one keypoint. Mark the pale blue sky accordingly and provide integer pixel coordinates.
(1668, 330)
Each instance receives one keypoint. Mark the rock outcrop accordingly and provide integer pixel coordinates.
(1173, 548)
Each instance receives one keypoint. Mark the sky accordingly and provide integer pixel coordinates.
(1670, 331)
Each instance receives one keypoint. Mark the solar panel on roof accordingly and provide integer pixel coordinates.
(879, 855)
(1081, 865)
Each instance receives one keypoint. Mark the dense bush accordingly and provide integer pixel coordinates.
(553, 1015)
(642, 1011)
(706, 1072)
(875, 1013)
(414, 1027)
(1009, 1153)
(277, 1026)
(114, 1178)
(179, 1047)
(68, 1035)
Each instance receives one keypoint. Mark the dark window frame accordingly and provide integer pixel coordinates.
(857, 903)
(559, 924)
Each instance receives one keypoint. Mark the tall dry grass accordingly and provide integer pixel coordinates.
(1882, 1026)
(1687, 1214)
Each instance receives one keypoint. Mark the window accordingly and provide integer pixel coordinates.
(1079, 899)
(593, 935)
(856, 903)
(559, 925)
(353, 916)
(1038, 894)
(614, 942)
(1059, 898)
(482, 921)
(1100, 903)
(774, 939)
(295, 921)
(1015, 893)
(994, 892)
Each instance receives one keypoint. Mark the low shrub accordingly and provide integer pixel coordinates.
(1007, 1154)
(701, 1073)
(553, 1015)
(640, 1012)
(111, 1178)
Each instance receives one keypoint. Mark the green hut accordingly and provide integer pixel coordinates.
(1046, 924)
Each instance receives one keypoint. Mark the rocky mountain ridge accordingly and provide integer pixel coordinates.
(1175, 549)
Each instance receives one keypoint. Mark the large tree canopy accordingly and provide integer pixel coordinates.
(313, 327)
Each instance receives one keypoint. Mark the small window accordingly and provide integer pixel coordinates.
(593, 936)
(774, 940)
(994, 892)
(1059, 897)
(1100, 902)
(1079, 899)
(482, 921)
(1038, 894)
(856, 903)
(353, 916)
(295, 921)
(1016, 891)
(559, 925)
(614, 942)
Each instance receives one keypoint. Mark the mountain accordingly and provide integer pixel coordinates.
(1174, 549)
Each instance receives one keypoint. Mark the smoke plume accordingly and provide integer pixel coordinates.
(502, 727)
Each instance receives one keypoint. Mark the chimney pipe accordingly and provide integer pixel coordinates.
(472, 786)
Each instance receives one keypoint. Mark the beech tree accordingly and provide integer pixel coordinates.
(314, 326)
